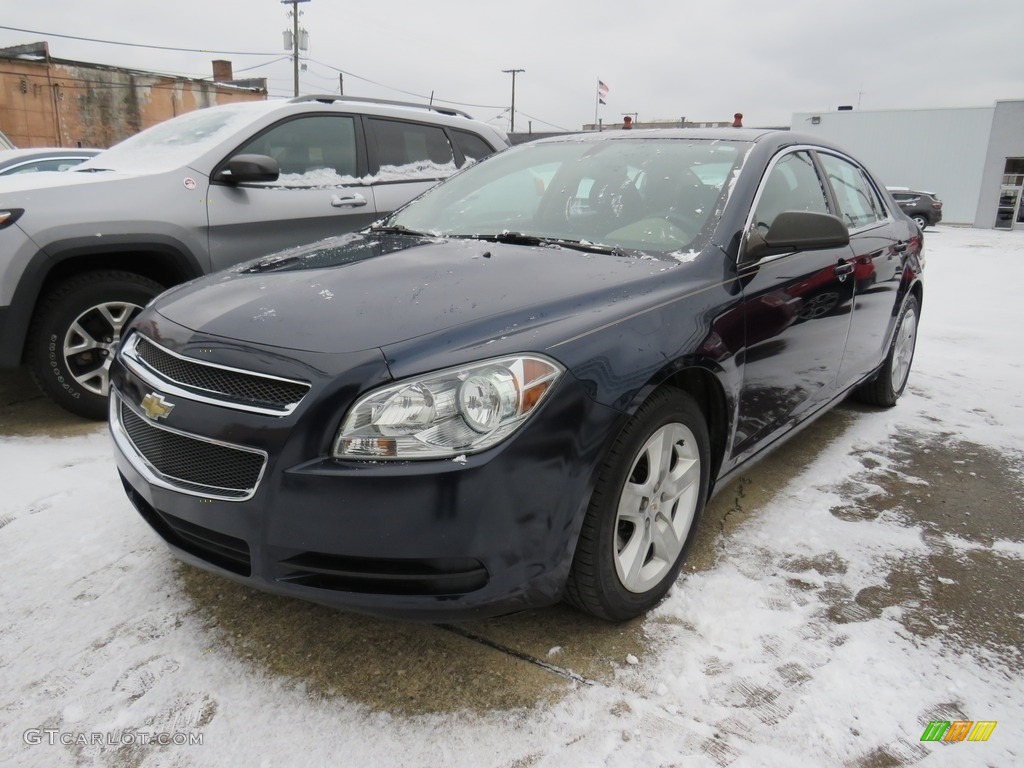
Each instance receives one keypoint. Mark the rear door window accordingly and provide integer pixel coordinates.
(405, 150)
(472, 146)
(859, 203)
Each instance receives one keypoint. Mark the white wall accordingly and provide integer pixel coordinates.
(1007, 140)
(932, 150)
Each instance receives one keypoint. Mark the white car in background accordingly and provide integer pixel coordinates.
(16, 161)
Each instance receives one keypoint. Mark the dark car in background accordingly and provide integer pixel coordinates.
(924, 208)
(16, 161)
(524, 385)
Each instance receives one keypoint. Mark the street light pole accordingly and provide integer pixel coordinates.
(295, 39)
(513, 72)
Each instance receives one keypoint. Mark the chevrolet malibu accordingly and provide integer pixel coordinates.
(523, 386)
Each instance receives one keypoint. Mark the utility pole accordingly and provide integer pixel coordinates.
(295, 39)
(513, 72)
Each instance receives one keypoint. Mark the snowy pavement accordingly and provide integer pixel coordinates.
(874, 589)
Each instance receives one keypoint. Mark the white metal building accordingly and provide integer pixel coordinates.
(971, 157)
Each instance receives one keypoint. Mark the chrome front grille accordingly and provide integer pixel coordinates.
(209, 382)
(194, 465)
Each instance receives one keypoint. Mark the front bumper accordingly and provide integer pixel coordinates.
(434, 540)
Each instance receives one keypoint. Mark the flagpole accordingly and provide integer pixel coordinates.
(597, 99)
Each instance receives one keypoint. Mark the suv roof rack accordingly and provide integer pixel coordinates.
(330, 98)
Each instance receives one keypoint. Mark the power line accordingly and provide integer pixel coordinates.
(139, 45)
(544, 122)
(399, 90)
(235, 70)
(256, 66)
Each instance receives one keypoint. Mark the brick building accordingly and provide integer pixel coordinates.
(47, 102)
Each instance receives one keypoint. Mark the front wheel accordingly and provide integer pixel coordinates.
(75, 333)
(885, 389)
(644, 511)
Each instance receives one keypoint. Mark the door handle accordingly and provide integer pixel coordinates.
(843, 269)
(901, 246)
(353, 200)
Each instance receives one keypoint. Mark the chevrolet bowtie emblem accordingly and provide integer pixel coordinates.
(155, 407)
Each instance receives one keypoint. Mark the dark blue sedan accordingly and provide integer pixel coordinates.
(523, 386)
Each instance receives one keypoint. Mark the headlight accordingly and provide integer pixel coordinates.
(446, 413)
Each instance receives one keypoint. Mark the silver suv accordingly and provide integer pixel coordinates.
(82, 252)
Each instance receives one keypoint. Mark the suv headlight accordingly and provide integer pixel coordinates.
(446, 413)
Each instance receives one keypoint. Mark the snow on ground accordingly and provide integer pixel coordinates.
(746, 668)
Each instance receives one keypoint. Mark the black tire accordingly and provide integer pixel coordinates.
(608, 536)
(921, 221)
(885, 389)
(86, 311)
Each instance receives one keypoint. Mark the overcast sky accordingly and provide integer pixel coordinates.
(661, 60)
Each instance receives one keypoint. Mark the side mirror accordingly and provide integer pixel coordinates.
(247, 168)
(798, 231)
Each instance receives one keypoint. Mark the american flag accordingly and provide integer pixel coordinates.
(602, 91)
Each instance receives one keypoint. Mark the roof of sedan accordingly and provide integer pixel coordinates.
(779, 137)
(720, 134)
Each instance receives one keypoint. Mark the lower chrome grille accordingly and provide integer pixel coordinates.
(187, 463)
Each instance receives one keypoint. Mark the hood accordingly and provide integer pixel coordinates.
(362, 291)
(20, 183)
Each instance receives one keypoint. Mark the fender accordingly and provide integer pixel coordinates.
(174, 263)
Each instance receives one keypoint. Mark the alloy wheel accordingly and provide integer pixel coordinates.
(657, 506)
(91, 342)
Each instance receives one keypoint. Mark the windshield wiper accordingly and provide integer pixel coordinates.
(514, 238)
(270, 264)
(396, 229)
(522, 238)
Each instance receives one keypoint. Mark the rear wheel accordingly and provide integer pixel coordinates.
(887, 387)
(644, 510)
(920, 220)
(75, 334)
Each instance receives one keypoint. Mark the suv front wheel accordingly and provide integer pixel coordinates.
(75, 333)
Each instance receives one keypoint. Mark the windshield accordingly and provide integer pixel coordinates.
(177, 141)
(657, 195)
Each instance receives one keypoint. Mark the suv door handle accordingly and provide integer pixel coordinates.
(353, 200)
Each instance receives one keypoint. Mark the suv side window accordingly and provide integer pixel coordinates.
(792, 185)
(858, 200)
(410, 150)
(312, 151)
(472, 146)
